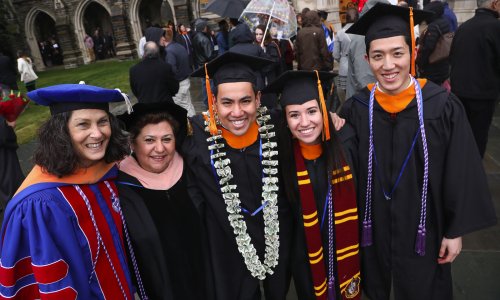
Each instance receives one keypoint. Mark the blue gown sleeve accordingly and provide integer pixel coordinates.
(40, 254)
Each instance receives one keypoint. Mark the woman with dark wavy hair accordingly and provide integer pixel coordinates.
(162, 221)
(64, 224)
(319, 183)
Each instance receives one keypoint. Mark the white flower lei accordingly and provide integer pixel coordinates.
(222, 166)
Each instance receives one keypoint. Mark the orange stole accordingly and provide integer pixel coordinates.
(396, 103)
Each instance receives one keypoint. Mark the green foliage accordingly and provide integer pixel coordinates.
(108, 74)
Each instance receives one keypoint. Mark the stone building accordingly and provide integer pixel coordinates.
(67, 21)
(464, 9)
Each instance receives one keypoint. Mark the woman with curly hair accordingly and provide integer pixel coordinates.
(62, 231)
(163, 224)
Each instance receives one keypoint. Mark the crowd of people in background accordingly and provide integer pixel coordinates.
(362, 183)
(100, 45)
(51, 52)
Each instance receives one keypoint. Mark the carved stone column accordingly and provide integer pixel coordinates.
(72, 55)
(124, 45)
(181, 8)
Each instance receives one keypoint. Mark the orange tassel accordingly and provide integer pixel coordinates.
(326, 128)
(212, 126)
(413, 46)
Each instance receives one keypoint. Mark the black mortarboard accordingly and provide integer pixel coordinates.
(141, 109)
(229, 67)
(386, 20)
(233, 67)
(68, 97)
(298, 87)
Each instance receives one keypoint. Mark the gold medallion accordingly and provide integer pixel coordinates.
(352, 289)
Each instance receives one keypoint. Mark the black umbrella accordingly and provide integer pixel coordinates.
(226, 8)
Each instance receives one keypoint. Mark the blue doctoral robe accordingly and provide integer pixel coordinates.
(50, 245)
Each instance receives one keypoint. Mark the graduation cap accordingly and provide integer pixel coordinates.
(68, 97)
(232, 67)
(229, 67)
(299, 87)
(386, 20)
(141, 109)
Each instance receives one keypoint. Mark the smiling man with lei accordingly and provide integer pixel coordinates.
(421, 183)
(232, 155)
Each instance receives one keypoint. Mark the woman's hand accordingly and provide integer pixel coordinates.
(11, 124)
(450, 248)
(338, 122)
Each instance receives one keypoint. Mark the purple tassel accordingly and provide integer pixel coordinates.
(366, 237)
(331, 289)
(420, 241)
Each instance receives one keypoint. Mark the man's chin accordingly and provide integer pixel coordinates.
(239, 131)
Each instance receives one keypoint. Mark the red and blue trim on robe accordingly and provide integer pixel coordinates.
(49, 242)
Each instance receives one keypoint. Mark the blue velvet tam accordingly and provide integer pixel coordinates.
(68, 97)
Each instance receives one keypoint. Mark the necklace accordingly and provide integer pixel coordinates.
(222, 165)
(366, 236)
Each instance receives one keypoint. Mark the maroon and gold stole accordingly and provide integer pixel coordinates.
(346, 244)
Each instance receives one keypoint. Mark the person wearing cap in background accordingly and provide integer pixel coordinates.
(232, 156)
(164, 226)
(318, 180)
(421, 184)
(62, 231)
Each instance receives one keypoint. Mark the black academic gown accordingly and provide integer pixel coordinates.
(317, 170)
(458, 199)
(165, 230)
(11, 175)
(230, 278)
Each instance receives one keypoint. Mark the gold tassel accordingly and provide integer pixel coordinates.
(326, 128)
(189, 128)
(212, 126)
(413, 46)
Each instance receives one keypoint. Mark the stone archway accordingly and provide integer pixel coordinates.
(166, 12)
(97, 23)
(78, 21)
(31, 33)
